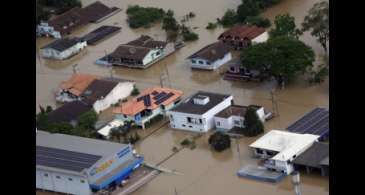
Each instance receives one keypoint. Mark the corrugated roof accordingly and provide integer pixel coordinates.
(212, 52)
(68, 21)
(313, 156)
(96, 11)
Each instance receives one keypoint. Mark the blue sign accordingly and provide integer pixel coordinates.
(123, 152)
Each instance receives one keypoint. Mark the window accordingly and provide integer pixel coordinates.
(208, 63)
(70, 179)
(171, 117)
(184, 125)
(190, 126)
(237, 122)
(45, 175)
(82, 181)
(125, 116)
(157, 53)
(189, 120)
(193, 61)
(58, 177)
(218, 123)
(201, 62)
(200, 121)
(259, 151)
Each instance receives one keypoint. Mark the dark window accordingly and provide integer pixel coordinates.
(200, 121)
(163, 107)
(125, 116)
(190, 126)
(208, 63)
(189, 120)
(237, 122)
(82, 181)
(193, 61)
(58, 177)
(184, 125)
(270, 153)
(46, 175)
(70, 179)
(259, 151)
(157, 53)
(218, 123)
(201, 62)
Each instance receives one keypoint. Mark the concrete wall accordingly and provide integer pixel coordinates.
(261, 38)
(178, 120)
(213, 65)
(121, 91)
(61, 182)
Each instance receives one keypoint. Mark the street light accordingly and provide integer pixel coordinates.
(296, 182)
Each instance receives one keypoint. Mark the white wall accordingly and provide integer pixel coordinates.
(152, 56)
(214, 65)
(261, 114)
(63, 183)
(51, 53)
(121, 91)
(178, 120)
(261, 38)
(224, 123)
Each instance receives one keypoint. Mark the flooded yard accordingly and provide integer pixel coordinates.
(205, 172)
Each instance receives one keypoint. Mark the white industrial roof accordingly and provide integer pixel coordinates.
(105, 131)
(286, 143)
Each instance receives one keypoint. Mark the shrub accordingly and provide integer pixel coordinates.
(190, 36)
(258, 21)
(88, 119)
(185, 142)
(253, 125)
(211, 26)
(143, 16)
(229, 18)
(219, 141)
(135, 91)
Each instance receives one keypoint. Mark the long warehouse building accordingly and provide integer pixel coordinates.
(77, 165)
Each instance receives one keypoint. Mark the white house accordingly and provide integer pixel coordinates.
(63, 48)
(210, 57)
(197, 112)
(280, 148)
(141, 52)
(105, 131)
(102, 93)
(234, 116)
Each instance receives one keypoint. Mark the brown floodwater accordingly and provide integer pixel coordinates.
(205, 172)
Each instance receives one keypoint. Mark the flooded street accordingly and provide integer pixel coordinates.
(205, 172)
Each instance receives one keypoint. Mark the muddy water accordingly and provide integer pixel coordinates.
(204, 172)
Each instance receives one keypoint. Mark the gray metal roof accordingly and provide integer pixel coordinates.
(313, 156)
(63, 44)
(77, 144)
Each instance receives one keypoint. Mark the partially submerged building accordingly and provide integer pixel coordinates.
(99, 34)
(234, 117)
(139, 53)
(71, 89)
(106, 130)
(196, 113)
(280, 148)
(241, 36)
(210, 57)
(102, 93)
(63, 24)
(61, 49)
(150, 103)
(314, 122)
(316, 158)
(76, 165)
(69, 112)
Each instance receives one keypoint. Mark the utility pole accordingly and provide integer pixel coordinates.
(175, 191)
(238, 151)
(274, 103)
(168, 75)
(296, 182)
(74, 68)
(162, 77)
(111, 72)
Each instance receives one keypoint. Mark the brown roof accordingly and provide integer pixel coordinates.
(96, 11)
(233, 110)
(243, 32)
(130, 52)
(78, 83)
(68, 112)
(134, 106)
(68, 21)
(212, 52)
(99, 88)
(147, 41)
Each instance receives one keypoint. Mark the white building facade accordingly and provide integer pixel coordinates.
(44, 29)
(121, 91)
(207, 64)
(261, 38)
(64, 53)
(197, 113)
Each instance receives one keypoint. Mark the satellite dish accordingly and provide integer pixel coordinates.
(132, 50)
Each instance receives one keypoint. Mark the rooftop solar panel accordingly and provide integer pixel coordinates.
(158, 96)
(147, 100)
(64, 159)
(154, 93)
(164, 98)
(315, 122)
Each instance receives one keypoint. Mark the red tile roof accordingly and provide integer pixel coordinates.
(242, 32)
(78, 83)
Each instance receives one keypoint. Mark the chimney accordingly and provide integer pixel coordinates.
(201, 100)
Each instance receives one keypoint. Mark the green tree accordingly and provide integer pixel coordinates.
(115, 133)
(169, 23)
(143, 16)
(211, 26)
(258, 21)
(317, 21)
(247, 8)
(49, 109)
(285, 26)
(280, 56)
(253, 125)
(267, 3)
(63, 127)
(219, 141)
(229, 18)
(135, 91)
(87, 120)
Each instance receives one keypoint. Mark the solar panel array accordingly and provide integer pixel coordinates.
(315, 122)
(158, 96)
(164, 98)
(154, 92)
(147, 100)
(64, 159)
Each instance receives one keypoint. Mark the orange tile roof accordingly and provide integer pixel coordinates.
(78, 83)
(133, 106)
(243, 31)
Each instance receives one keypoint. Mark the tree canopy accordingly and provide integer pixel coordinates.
(219, 141)
(253, 125)
(258, 21)
(285, 26)
(317, 21)
(280, 56)
(247, 8)
(88, 119)
(143, 16)
(229, 18)
(169, 23)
